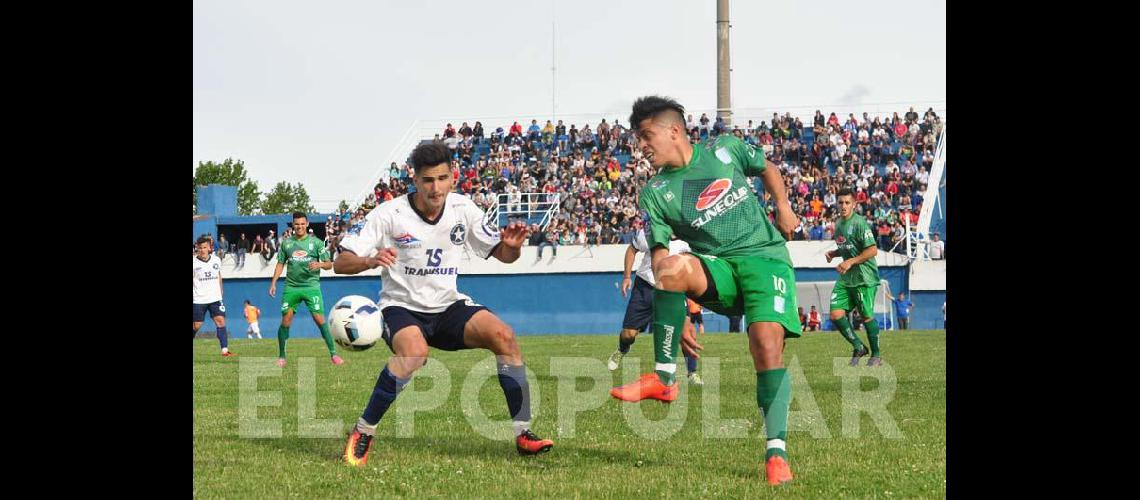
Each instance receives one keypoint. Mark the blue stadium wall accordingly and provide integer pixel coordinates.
(533, 304)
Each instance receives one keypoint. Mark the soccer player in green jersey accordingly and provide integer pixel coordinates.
(858, 278)
(739, 261)
(306, 256)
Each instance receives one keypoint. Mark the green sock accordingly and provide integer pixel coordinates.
(847, 333)
(774, 397)
(282, 337)
(873, 336)
(669, 317)
(325, 334)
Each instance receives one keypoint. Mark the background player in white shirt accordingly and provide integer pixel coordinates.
(639, 311)
(419, 239)
(208, 292)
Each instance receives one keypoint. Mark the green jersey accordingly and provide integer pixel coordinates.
(853, 235)
(708, 203)
(296, 255)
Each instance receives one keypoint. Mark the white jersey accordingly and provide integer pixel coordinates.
(423, 279)
(645, 271)
(207, 289)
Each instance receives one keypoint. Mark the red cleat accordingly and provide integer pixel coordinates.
(228, 354)
(356, 451)
(777, 470)
(529, 444)
(649, 386)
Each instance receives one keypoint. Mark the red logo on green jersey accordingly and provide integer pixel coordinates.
(840, 239)
(299, 254)
(713, 193)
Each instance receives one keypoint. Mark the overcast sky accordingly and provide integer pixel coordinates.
(321, 92)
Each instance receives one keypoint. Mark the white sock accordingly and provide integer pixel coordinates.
(520, 427)
(364, 428)
(777, 443)
(225, 350)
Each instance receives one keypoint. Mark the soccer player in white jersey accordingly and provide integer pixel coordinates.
(208, 292)
(639, 310)
(419, 239)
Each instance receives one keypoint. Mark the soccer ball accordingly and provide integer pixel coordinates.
(356, 323)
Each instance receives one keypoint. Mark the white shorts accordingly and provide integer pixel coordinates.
(254, 328)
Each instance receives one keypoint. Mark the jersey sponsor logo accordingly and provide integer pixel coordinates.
(658, 184)
(730, 200)
(723, 155)
(713, 193)
(405, 239)
(412, 271)
(840, 239)
(458, 233)
(300, 254)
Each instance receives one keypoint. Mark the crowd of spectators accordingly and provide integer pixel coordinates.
(885, 161)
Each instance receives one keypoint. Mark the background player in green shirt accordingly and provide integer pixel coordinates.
(858, 278)
(306, 256)
(739, 261)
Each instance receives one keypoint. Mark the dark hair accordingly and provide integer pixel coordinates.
(845, 192)
(651, 106)
(246, 301)
(429, 155)
(300, 215)
(201, 240)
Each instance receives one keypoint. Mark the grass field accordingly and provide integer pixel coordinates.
(604, 457)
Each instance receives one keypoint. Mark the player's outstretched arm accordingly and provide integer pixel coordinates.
(512, 240)
(786, 220)
(630, 253)
(276, 275)
(348, 262)
(689, 342)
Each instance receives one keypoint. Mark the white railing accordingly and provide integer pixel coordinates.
(931, 197)
(524, 205)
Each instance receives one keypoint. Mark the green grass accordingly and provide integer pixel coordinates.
(446, 457)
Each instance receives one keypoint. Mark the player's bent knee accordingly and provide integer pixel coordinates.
(503, 339)
(667, 272)
(837, 314)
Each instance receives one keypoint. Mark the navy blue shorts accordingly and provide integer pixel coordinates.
(216, 309)
(442, 330)
(639, 311)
